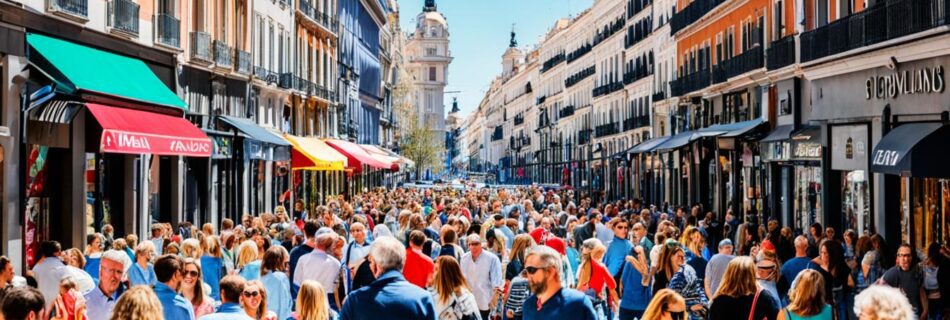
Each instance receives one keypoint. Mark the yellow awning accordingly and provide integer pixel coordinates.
(314, 154)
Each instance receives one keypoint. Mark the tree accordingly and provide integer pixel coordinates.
(417, 141)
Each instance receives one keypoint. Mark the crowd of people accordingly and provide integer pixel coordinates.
(522, 253)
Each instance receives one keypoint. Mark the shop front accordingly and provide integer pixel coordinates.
(261, 156)
(886, 127)
(104, 146)
(794, 178)
(319, 171)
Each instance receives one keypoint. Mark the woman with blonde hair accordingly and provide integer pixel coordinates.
(248, 264)
(138, 303)
(142, 271)
(806, 299)
(739, 295)
(254, 301)
(213, 269)
(451, 292)
(191, 248)
(516, 260)
(193, 289)
(595, 280)
(312, 302)
(664, 305)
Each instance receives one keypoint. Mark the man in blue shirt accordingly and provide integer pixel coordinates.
(168, 271)
(794, 266)
(231, 289)
(101, 300)
(550, 301)
(390, 296)
(635, 284)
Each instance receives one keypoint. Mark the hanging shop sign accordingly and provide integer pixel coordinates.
(222, 147)
(906, 82)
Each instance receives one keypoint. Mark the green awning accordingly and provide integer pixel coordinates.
(82, 68)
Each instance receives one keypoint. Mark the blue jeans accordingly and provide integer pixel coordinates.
(627, 314)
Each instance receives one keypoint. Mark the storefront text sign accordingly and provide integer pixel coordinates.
(115, 141)
(906, 82)
(807, 150)
(885, 158)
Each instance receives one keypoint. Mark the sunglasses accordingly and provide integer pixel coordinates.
(532, 270)
(193, 274)
(622, 227)
(252, 294)
(769, 267)
(678, 315)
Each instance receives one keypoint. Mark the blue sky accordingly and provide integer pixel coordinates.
(479, 32)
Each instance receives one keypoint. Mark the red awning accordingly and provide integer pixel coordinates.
(356, 156)
(142, 132)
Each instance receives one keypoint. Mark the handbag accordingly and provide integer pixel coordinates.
(754, 302)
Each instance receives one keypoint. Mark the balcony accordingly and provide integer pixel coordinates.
(885, 21)
(287, 80)
(606, 130)
(74, 8)
(747, 61)
(609, 30)
(201, 47)
(579, 52)
(541, 100)
(243, 62)
(519, 120)
(658, 96)
(689, 83)
(222, 54)
(566, 112)
(583, 137)
(553, 61)
(124, 17)
(266, 75)
(607, 88)
(636, 122)
(325, 21)
(497, 134)
(638, 31)
(635, 6)
(781, 53)
(167, 30)
(579, 76)
(691, 13)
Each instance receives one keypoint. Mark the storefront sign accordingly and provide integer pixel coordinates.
(885, 158)
(807, 150)
(913, 81)
(849, 147)
(142, 143)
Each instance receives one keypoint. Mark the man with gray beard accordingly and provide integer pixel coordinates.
(549, 300)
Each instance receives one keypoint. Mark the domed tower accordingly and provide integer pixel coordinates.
(429, 59)
(513, 58)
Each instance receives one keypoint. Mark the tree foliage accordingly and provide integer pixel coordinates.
(417, 141)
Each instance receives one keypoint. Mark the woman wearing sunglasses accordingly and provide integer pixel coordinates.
(193, 289)
(767, 270)
(254, 301)
(666, 305)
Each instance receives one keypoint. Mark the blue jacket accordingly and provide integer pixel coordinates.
(616, 254)
(212, 271)
(228, 311)
(567, 304)
(137, 276)
(389, 297)
(278, 294)
(251, 271)
(174, 306)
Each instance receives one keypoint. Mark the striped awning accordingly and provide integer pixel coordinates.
(57, 111)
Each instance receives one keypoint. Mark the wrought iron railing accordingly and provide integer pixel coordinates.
(287, 80)
(124, 16)
(201, 46)
(222, 54)
(579, 76)
(553, 61)
(884, 21)
(689, 83)
(747, 61)
(607, 88)
(566, 111)
(243, 61)
(695, 10)
(606, 130)
(167, 30)
(74, 7)
(781, 53)
(635, 122)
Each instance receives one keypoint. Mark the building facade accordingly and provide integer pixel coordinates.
(428, 58)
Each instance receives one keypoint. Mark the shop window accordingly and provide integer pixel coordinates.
(807, 202)
(856, 201)
(925, 204)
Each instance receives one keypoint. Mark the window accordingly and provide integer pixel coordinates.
(432, 74)
(199, 15)
(822, 15)
(222, 20)
(270, 46)
(719, 52)
(779, 19)
(431, 52)
(730, 42)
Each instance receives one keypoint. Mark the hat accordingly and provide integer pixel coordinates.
(768, 245)
(725, 242)
(557, 244)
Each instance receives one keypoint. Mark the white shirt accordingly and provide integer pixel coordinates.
(354, 253)
(484, 275)
(48, 274)
(319, 266)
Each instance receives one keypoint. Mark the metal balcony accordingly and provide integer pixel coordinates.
(266, 75)
(243, 62)
(689, 83)
(79, 8)
(781, 53)
(566, 112)
(124, 17)
(167, 30)
(201, 47)
(287, 80)
(222, 54)
(747, 61)
(694, 11)
(606, 130)
(885, 21)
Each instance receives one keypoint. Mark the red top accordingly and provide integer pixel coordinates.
(419, 268)
(539, 235)
(600, 277)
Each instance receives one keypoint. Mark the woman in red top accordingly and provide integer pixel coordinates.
(593, 277)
